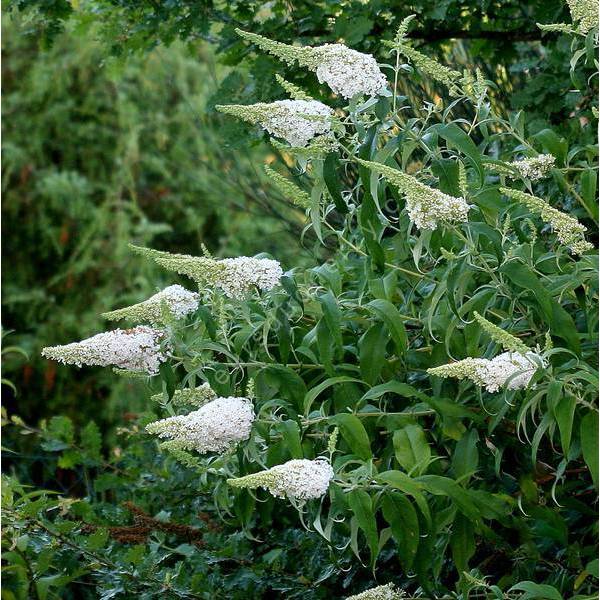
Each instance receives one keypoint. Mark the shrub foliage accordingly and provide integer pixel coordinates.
(450, 245)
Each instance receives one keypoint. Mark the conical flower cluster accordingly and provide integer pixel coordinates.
(569, 231)
(381, 592)
(584, 13)
(297, 480)
(137, 349)
(296, 121)
(509, 369)
(346, 71)
(196, 397)
(216, 427)
(235, 277)
(175, 300)
(533, 168)
(426, 206)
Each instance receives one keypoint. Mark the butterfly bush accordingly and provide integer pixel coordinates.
(216, 427)
(533, 168)
(509, 369)
(235, 277)
(176, 300)
(346, 71)
(336, 385)
(296, 480)
(381, 592)
(137, 349)
(296, 121)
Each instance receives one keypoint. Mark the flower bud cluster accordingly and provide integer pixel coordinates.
(296, 121)
(297, 480)
(381, 592)
(175, 300)
(346, 71)
(426, 206)
(511, 370)
(137, 349)
(215, 427)
(235, 277)
(533, 168)
(569, 231)
(196, 397)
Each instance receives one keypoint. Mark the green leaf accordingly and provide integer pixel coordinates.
(589, 443)
(371, 348)
(462, 542)
(291, 436)
(553, 144)
(466, 457)
(394, 321)
(564, 413)
(360, 504)
(312, 394)
(557, 318)
(331, 169)
(394, 387)
(411, 448)
(401, 481)
(399, 512)
(91, 442)
(536, 591)
(458, 138)
(446, 170)
(443, 486)
(354, 433)
(333, 317)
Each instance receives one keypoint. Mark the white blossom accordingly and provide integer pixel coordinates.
(216, 427)
(243, 273)
(510, 370)
(348, 72)
(178, 301)
(297, 480)
(382, 592)
(296, 121)
(136, 349)
(427, 207)
(534, 168)
(234, 276)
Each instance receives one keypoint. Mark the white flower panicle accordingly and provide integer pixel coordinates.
(136, 349)
(175, 299)
(533, 168)
(426, 206)
(297, 480)
(584, 13)
(197, 396)
(235, 277)
(296, 121)
(216, 427)
(509, 369)
(569, 231)
(243, 273)
(381, 592)
(346, 71)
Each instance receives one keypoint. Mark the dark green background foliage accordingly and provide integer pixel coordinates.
(110, 137)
